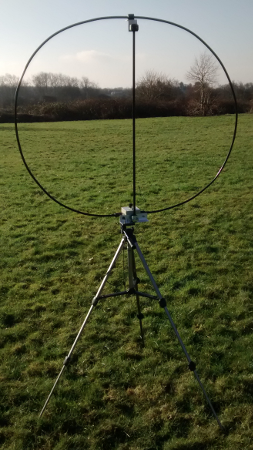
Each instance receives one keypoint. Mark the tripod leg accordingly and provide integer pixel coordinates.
(94, 303)
(133, 283)
(162, 302)
(67, 359)
(192, 366)
(140, 317)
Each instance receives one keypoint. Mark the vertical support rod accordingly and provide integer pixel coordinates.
(133, 115)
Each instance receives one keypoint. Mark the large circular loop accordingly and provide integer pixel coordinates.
(124, 18)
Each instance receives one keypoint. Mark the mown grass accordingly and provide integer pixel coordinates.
(117, 394)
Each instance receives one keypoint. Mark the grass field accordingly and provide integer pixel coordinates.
(117, 394)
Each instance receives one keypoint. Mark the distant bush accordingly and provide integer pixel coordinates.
(57, 97)
(97, 109)
(119, 108)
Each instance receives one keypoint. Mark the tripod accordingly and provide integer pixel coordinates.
(129, 239)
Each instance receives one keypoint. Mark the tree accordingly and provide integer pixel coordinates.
(8, 85)
(88, 88)
(53, 80)
(155, 86)
(56, 85)
(203, 73)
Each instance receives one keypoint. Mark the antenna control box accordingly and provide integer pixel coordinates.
(128, 217)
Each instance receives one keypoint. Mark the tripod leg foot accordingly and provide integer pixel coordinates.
(208, 401)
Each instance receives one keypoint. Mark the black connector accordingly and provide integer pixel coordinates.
(131, 291)
(192, 366)
(140, 316)
(162, 302)
(132, 23)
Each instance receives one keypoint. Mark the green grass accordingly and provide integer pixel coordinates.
(116, 394)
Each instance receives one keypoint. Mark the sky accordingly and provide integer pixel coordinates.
(102, 50)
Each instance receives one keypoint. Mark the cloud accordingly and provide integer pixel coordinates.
(89, 56)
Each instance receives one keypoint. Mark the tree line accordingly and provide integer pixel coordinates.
(50, 96)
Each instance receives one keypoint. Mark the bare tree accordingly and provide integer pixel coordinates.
(203, 73)
(154, 86)
(88, 88)
(56, 86)
(9, 80)
(8, 84)
(52, 80)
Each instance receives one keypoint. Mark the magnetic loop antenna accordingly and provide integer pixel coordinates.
(132, 27)
(129, 215)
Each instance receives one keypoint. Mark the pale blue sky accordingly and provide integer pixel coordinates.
(102, 50)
